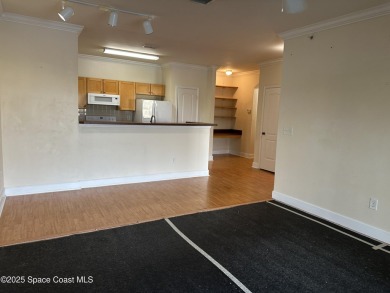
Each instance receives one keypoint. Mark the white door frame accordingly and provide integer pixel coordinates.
(177, 100)
(262, 118)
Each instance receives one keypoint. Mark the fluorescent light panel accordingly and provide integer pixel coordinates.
(130, 54)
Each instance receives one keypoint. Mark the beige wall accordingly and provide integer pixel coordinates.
(270, 76)
(200, 77)
(246, 82)
(110, 68)
(203, 78)
(38, 81)
(336, 96)
(44, 147)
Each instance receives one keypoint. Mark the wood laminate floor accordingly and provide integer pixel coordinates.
(232, 181)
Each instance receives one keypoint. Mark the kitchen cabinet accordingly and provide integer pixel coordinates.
(150, 89)
(103, 86)
(127, 94)
(82, 92)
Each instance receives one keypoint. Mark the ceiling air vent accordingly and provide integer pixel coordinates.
(202, 1)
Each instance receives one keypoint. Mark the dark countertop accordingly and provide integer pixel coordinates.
(227, 133)
(144, 124)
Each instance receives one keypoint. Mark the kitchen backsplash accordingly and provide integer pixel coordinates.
(103, 110)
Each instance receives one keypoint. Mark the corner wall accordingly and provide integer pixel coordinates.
(335, 96)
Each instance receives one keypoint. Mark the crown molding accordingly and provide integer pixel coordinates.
(117, 60)
(358, 16)
(270, 62)
(12, 17)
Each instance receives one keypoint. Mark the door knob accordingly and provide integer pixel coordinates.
(263, 133)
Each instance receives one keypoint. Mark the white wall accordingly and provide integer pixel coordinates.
(336, 96)
(109, 152)
(2, 196)
(44, 147)
(38, 82)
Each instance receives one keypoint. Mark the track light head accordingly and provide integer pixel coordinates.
(148, 27)
(66, 13)
(294, 6)
(113, 18)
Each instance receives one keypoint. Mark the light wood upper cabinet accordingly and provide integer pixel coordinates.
(157, 90)
(127, 93)
(110, 86)
(150, 89)
(142, 88)
(102, 86)
(95, 85)
(82, 92)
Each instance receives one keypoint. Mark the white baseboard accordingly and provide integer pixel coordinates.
(2, 201)
(142, 179)
(349, 223)
(255, 165)
(25, 190)
(211, 158)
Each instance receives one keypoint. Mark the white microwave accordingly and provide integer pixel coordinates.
(103, 99)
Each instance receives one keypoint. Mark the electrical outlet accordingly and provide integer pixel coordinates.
(373, 204)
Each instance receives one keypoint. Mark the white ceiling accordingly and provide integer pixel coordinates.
(236, 34)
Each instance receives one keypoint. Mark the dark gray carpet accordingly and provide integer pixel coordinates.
(272, 250)
(148, 257)
(267, 248)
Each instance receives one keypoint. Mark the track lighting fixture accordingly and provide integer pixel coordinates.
(113, 18)
(148, 26)
(130, 54)
(66, 13)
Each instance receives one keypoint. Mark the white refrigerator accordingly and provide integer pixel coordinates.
(152, 111)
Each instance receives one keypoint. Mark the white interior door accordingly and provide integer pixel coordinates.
(269, 128)
(187, 104)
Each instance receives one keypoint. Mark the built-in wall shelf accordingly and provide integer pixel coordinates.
(224, 98)
(221, 107)
(225, 106)
(226, 117)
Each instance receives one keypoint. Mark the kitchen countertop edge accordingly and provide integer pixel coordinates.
(107, 123)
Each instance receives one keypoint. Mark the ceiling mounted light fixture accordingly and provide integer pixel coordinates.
(294, 6)
(66, 13)
(228, 72)
(130, 54)
(113, 18)
(148, 26)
